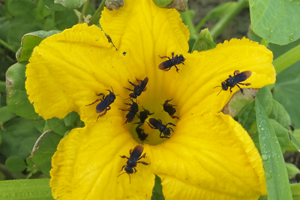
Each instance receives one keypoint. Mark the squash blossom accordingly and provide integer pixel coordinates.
(207, 154)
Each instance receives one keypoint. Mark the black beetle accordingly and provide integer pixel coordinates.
(166, 65)
(138, 89)
(169, 108)
(143, 116)
(141, 134)
(134, 108)
(163, 129)
(135, 156)
(235, 80)
(105, 103)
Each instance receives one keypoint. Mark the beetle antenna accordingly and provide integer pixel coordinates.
(121, 174)
(220, 91)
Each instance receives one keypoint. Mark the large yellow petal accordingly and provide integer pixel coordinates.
(196, 84)
(209, 156)
(87, 165)
(67, 70)
(146, 32)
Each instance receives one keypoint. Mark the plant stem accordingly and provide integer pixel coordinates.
(84, 9)
(264, 42)
(97, 14)
(287, 59)
(223, 22)
(6, 45)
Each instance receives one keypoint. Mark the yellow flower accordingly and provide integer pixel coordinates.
(208, 156)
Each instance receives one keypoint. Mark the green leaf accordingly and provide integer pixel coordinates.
(20, 8)
(44, 149)
(279, 114)
(5, 114)
(292, 170)
(282, 135)
(162, 3)
(29, 189)
(53, 6)
(287, 93)
(57, 125)
(65, 19)
(19, 27)
(17, 98)
(276, 20)
(15, 164)
(275, 170)
(31, 40)
(296, 191)
(71, 118)
(247, 116)
(18, 138)
(157, 190)
(72, 4)
(295, 136)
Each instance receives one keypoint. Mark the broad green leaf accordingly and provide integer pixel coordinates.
(71, 118)
(31, 40)
(279, 114)
(53, 6)
(44, 149)
(15, 164)
(247, 116)
(276, 175)
(19, 27)
(277, 21)
(5, 114)
(282, 135)
(57, 125)
(292, 170)
(17, 98)
(65, 19)
(287, 93)
(72, 4)
(157, 190)
(28, 189)
(18, 138)
(162, 3)
(20, 8)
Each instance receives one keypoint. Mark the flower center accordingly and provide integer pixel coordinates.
(155, 119)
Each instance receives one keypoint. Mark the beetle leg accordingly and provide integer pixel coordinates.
(170, 124)
(128, 89)
(144, 163)
(247, 84)
(165, 57)
(143, 156)
(124, 157)
(176, 68)
(174, 117)
(241, 89)
(122, 169)
(94, 102)
(134, 170)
